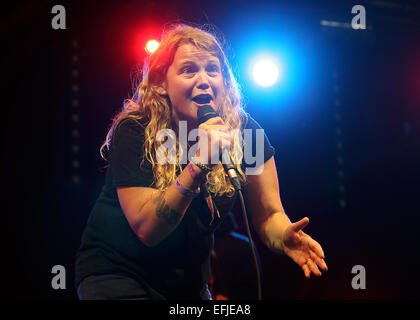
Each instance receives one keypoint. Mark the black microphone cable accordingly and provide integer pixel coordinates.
(251, 244)
(205, 113)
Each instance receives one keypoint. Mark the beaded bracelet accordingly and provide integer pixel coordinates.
(196, 176)
(201, 165)
(185, 191)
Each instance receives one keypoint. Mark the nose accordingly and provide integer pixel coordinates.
(202, 81)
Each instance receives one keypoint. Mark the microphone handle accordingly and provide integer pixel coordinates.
(230, 169)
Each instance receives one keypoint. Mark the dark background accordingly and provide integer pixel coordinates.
(346, 128)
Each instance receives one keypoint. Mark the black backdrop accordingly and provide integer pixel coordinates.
(48, 196)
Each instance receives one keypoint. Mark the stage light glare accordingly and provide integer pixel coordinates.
(265, 72)
(151, 46)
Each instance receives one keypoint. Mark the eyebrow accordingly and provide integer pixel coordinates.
(189, 61)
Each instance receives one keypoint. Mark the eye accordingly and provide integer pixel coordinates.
(188, 69)
(213, 68)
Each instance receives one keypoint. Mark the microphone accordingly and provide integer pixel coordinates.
(205, 113)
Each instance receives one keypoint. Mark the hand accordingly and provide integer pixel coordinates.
(302, 249)
(213, 137)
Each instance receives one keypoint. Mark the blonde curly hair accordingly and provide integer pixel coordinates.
(148, 103)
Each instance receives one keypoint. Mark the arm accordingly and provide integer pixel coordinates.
(263, 199)
(274, 227)
(152, 214)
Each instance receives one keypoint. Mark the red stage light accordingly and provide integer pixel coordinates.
(151, 46)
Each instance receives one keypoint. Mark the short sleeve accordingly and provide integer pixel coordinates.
(257, 149)
(126, 156)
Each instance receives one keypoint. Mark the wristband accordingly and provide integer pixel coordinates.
(185, 191)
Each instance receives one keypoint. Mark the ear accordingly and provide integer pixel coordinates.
(162, 89)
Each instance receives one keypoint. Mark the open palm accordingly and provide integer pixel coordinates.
(302, 249)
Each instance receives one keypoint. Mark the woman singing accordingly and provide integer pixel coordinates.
(150, 232)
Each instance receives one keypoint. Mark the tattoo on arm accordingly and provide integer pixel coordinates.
(164, 212)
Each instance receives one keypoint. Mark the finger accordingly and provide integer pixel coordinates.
(214, 129)
(224, 131)
(312, 266)
(218, 130)
(306, 270)
(219, 127)
(320, 262)
(316, 247)
(297, 226)
(225, 143)
(215, 120)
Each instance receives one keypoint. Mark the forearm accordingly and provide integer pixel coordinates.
(272, 230)
(163, 212)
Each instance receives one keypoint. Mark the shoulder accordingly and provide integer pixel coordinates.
(128, 131)
(248, 122)
(132, 123)
(130, 126)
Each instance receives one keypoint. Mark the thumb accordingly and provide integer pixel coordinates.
(297, 226)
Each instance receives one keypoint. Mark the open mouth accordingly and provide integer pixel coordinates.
(202, 98)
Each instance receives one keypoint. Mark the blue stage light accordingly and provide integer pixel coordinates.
(265, 72)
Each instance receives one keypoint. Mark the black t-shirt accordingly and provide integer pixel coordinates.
(179, 266)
